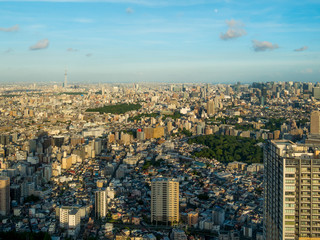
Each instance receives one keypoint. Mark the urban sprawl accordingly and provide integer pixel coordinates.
(160, 161)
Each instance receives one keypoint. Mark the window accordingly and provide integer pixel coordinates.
(290, 181)
(289, 223)
(290, 205)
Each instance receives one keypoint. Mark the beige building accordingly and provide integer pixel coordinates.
(292, 191)
(165, 200)
(193, 218)
(4, 195)
(315, 122)
(101, 203)
(158, 132)
(210, 108)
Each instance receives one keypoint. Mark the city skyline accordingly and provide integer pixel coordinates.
(159, 41)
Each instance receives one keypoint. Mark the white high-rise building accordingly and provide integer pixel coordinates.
(165, 200)
(101, 203)
(291, 191)
(64, 216)
(74, 222)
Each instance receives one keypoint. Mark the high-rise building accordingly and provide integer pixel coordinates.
(74, 222)
(65, 84)
(69, 218)
(291, 191)
(4, 195)
(101, 203)
(315, 122)
(210, 108)
(316, 92)
(165, 200)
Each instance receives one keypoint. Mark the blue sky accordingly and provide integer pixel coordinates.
(215, 41)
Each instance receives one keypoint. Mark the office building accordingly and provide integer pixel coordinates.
(315, 123)
(4, 195)
(101, 203)
(165, 200)
(292, 191)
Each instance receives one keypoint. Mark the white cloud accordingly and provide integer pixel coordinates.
(263, 46)
(235, 30)
(83, 20)
(129, 10)
(216, 10)
(307, 71)
(9, 50)
(72, 50)
(301, 49)
(14, 28)
(137, 2)
(42, 44)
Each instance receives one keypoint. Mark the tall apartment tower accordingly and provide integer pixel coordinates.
(210, 108)
(315, 122)
(4, 195)
(165, 200)
(291, 191)
(101, 203)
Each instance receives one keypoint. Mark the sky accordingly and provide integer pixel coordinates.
(191, 41)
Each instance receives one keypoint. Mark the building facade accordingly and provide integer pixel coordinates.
(100, 203)
(165, 200)
(4, 195)
(292, 191)
(315, 123)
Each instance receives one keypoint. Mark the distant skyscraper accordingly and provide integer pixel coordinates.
(65, 79)
(101, 203)
(210, 108)
(291, 191)
(165, 200)
(4, 195)
(315, 122)
(316, 92)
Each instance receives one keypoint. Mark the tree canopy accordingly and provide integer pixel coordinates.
(116, 109)
(228, 148)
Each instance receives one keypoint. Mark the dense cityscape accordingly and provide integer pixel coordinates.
(160, 161)
(159, 120)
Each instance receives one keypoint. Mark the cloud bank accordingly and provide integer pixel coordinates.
(301, 49)
(14, 28)
(42, 44)
(263, 46)
(72, 50)
(129, 10)
(235, 30)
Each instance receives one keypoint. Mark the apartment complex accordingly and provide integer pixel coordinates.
(101, 203)
(292, 191)
(315, 123)
(165, 200)
(4, 195)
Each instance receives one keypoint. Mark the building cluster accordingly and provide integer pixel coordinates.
(74, 173)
